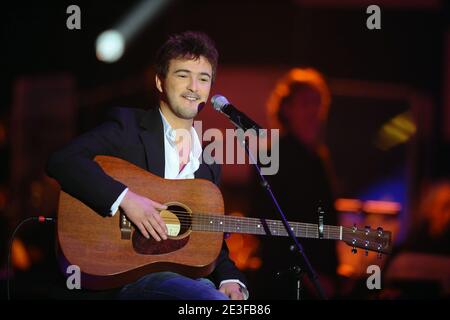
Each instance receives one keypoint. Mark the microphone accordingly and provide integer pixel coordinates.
(220, 103)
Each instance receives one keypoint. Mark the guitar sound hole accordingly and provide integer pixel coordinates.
(178, 220)
(184, 217)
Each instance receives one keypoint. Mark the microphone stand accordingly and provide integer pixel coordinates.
(309, 269)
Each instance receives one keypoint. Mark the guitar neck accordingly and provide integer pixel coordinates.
(232, 224)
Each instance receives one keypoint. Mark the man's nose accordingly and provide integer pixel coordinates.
(193, 84)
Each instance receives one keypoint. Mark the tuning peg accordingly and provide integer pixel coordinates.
(380, 231)
(367, 229)
(354, 251)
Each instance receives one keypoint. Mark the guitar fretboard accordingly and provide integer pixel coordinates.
(232, 224)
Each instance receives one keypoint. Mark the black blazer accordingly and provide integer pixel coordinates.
(136, 136)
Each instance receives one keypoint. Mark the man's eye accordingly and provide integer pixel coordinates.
(204, 79)
(182, 76)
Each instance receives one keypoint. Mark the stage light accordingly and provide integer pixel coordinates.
(382, 207)
(110, 46)
(396, 131)
(369, 206)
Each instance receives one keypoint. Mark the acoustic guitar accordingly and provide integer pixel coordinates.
(110, 252)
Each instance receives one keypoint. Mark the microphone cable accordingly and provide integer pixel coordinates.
(40, 219)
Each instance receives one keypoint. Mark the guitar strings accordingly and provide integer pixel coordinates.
(201, 220)
(305, 230)
(249, 221)
(274, 230)
(187, 217)
(208, 222)
(190, 216)
(246, 224)
(234, 219)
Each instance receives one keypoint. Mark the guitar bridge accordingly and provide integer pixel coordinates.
(125, 227)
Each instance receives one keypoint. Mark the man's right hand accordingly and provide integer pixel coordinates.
(144, 213)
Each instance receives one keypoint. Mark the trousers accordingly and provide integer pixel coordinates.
(170, 286)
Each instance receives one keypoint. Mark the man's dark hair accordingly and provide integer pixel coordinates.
(190, 45)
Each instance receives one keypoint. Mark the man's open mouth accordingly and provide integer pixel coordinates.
(191, 98)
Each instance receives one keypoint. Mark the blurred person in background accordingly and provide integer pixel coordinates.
(298, 106)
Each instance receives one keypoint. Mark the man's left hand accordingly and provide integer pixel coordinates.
(232, 290)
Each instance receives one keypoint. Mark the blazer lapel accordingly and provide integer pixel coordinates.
(152, 138)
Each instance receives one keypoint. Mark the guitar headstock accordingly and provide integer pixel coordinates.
(369, 239)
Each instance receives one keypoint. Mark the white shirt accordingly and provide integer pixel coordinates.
(172, 170)
(172, 159)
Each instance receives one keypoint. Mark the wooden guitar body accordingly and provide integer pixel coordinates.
(109, 256)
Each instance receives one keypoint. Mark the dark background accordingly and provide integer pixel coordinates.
(410, 51)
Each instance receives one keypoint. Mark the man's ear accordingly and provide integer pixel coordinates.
(158, 82)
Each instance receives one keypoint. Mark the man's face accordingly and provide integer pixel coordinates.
(303, 115)
(186, 86)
